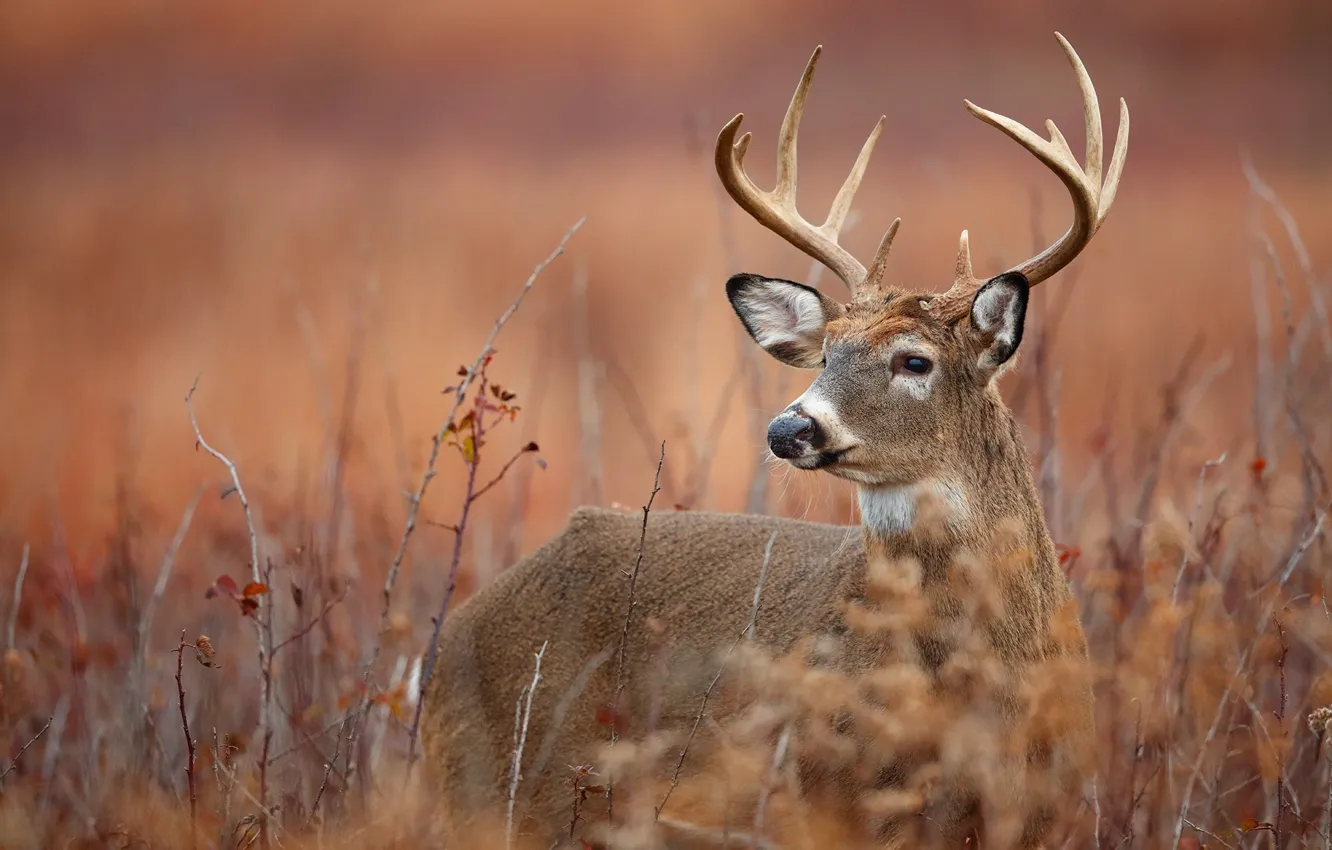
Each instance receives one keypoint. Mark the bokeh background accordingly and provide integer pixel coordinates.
(320, 208)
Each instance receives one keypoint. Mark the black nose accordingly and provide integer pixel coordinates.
(789, 436)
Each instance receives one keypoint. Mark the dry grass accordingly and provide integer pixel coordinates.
(1176, 407)
(1201, 595)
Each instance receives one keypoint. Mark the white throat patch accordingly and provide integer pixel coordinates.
(890, 511)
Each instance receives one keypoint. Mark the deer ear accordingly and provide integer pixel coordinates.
(785, 318)
(997, 314)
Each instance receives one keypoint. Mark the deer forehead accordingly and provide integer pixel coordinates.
(883, 324)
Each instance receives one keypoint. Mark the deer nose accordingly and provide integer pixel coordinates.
(790, 435)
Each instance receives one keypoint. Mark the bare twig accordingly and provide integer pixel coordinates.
(460, 392)
(18, 599)
(752, 628)
(470, 447)
(1265, 192)
(189, 739)
(521, 736)
(508, 464)
(235, 482)
(13, 764)
(262, 640)
(314, 621)
(747, 633)
(328, 768)
(628, 615)
(778, 756)
(1193, 519)
(1211, 835)
(1315, 480)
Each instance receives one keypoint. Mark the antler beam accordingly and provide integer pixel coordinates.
(776, 210)
(1092, 199)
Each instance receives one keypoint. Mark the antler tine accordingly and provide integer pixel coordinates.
(776, 210)
(1092, 199)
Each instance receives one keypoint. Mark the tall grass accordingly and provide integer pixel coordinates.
(1200, 583)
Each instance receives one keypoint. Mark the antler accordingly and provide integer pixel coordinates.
(1092, 199)
(776, 210)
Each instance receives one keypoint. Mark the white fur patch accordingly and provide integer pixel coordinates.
(891, 511)
(838, 437)
(918, 387)
(781, 314)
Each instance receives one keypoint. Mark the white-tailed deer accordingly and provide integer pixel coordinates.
(905, 405)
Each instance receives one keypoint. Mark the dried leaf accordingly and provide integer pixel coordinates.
(1249, 824)
(469, 450)
(249, 605)
(531, 447)
(254, 588)
(224, 584)
(508, 396)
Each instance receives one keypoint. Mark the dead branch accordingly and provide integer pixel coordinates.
(13, 764)
(314, 621)
(189, 739)
(628, 614)
(778, 757)
(415, 499)
(1315, 481)
(264, 614)
(328, 768)
(1193, 520)
(470, 448)
(747, 634)
(520, 735)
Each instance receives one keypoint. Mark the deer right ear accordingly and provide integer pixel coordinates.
(785, 318)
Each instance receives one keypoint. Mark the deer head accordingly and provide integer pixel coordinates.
(907, 381)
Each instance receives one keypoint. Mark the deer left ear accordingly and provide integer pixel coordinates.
(997, 314)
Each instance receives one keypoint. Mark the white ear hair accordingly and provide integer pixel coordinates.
(998, 313)
(787, 319)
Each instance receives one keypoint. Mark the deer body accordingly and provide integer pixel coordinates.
(906, 406)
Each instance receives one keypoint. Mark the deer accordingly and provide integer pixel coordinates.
(905, 405)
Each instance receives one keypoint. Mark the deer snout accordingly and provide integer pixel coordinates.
(792, 434)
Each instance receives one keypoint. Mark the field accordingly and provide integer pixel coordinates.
(307, 221)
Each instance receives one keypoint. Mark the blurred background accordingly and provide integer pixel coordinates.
(319, 209)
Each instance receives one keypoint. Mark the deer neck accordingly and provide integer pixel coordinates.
(988, 487)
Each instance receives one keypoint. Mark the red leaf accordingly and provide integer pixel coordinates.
(1249, 824)
(226, 584)
(249, 605)
(462, 371)
(531, 447)
(254, 588)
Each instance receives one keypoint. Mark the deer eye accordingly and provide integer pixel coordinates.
(916, 365)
